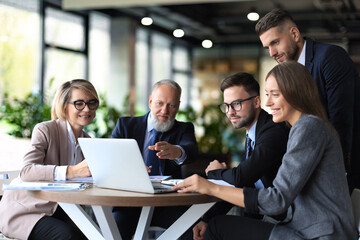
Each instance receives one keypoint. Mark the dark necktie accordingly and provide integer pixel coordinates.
(248, 146)
(258, 184)
(152, 160)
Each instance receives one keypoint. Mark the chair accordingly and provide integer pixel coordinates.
(355, 201)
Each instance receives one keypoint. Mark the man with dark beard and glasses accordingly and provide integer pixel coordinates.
(334, 73)
(266, 143)
(175, 145)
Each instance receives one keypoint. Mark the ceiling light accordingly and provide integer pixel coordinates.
(253, 16)
(207, 43)
(146, 21)
(178, 33)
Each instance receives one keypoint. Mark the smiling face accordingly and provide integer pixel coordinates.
(282, 46)
(247, 116)
(281, 110)
(79, 119)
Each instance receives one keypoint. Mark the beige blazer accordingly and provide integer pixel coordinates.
(49, 148)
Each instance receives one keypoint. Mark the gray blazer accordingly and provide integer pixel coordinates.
(310, 187)
(49, 148)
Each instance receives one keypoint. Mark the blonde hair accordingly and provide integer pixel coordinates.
(63, 95)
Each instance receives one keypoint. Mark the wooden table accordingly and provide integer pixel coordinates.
(101, 199)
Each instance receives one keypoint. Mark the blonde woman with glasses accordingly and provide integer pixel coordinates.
(54, 154)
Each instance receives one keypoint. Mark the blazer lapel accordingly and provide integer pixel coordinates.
(63, 142)
(309, 54)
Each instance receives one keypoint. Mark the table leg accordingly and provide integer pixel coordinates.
(185, 221)
(144, 223)
(107, 222)
(82, 220)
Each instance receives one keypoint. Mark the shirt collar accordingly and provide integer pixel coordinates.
(149, 123)
(251, 132)
(71, 133)
(301, 59)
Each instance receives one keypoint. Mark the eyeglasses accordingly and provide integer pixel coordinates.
(80, 104)
(161, 104)
(235, 105)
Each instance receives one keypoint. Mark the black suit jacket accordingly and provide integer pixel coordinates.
(181, 133)
(338, 83)
(263, 163)
(265, 159)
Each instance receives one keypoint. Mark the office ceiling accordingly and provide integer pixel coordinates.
(225, 21)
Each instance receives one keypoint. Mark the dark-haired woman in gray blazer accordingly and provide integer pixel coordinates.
(310, 198)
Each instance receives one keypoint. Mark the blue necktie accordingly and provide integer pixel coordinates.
(248, 146)
(152, 160)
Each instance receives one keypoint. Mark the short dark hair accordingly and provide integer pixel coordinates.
(243, 79)
(275, 18)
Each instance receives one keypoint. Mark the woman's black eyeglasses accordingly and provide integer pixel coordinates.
(80, 104)
(235, 105)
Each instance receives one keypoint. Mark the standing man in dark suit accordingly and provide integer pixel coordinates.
(175, 146)
(242, 106)
(335, 76)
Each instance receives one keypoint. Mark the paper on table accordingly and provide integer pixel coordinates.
(158, 178)
(173, 182)
(19, 185)
(220, 182)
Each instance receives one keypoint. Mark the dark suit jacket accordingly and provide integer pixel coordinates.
(265, 159)
(339, 86)
(263, 163)
(182, 133)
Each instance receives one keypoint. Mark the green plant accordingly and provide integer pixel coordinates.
(105, 120)
(215, 134)
(23, 115)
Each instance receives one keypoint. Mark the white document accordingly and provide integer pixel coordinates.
(158, 178)
(19, 185)
(173, 182)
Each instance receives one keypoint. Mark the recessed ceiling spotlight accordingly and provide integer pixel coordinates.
(146, 21)
(207, 43)
(178, 33)
(253, 16)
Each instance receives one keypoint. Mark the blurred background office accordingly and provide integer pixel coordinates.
(197, 43)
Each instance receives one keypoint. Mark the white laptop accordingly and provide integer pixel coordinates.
(118, 164)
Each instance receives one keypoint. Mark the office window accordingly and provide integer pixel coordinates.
(181, 59)
(64, 29)
(64, 59)
(182, 73)
(19, 47)
(161, 57)
(141, 70)
(183, 80)
(61, 66)
(99, 52)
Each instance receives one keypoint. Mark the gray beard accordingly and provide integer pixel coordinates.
(162, 126)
